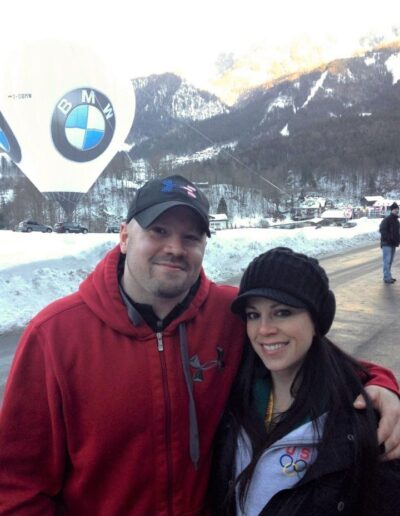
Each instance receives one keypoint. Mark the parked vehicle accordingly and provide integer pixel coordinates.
(112, 229)
(69, 227)
(27, 226)
(329, 222)
(349, 224)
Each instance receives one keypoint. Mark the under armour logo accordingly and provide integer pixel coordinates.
(198, 375)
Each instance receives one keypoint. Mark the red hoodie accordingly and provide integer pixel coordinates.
(95, 420)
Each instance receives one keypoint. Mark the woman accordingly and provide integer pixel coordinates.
(291, 442)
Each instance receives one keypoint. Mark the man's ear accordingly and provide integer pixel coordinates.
(123, 237)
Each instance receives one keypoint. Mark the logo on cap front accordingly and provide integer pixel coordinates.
(170, 186)
(83, 124)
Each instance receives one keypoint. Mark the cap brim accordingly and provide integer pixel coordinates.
(146, 217)
(239, 304)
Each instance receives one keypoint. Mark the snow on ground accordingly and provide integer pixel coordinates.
(37, 268)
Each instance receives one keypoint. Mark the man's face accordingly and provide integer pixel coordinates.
(164, 260)
(396, 211)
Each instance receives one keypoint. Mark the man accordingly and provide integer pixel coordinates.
(390, 239)
(116, 391)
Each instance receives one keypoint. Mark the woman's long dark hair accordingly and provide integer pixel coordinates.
(328, 370)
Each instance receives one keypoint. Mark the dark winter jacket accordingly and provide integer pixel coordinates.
(329, 487)
(95, 419)
(390, 231)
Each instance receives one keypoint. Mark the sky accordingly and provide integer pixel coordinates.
(37, 268)
(189, 37)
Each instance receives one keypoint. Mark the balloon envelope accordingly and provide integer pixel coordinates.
(8, 142)
(64, 113)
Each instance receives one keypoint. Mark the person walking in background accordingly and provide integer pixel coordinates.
(389, 229)
(290, 442)
(116, 391)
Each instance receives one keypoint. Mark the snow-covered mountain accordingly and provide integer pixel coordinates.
(333, 130)
(335, 123)
(165, 101)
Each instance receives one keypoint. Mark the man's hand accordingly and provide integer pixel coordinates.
(387, 403)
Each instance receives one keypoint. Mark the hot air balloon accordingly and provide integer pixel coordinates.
(8, 142)
(64, 113)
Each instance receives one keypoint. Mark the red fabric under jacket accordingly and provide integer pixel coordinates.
(95, 418)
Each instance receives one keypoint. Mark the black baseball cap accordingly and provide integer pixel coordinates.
(159, 195)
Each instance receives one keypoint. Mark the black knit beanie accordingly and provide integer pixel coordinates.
(291, 278)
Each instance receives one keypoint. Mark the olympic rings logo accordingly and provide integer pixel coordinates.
(290, 467)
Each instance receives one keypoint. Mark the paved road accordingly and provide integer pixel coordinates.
(367, 323)
(368, 315)
(7, 348)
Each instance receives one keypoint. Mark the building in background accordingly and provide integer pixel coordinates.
(219, 221)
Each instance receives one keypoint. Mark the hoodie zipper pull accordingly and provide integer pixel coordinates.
(160, 344)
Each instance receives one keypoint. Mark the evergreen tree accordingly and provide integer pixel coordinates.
(222, 207)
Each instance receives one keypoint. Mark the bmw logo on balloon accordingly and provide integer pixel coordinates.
(8, 142)
(83, 124)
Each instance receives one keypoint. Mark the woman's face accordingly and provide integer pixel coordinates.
(280, 335)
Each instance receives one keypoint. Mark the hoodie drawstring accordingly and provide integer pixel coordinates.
(194, 443)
